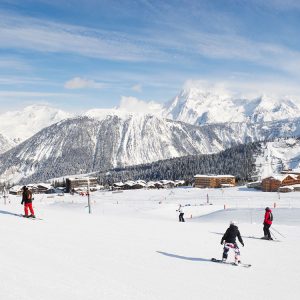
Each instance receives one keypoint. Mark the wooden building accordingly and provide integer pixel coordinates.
(78, 182)
(273, 183)
(214, 181)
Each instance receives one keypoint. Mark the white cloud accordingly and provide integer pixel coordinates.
(44, 36)
(134, 105)
(81, 83)
(244, 86)
(220, 88)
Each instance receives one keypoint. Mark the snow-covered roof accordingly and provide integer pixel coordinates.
(45, 185)
(179, 181)
(141, 181)
(119, 183)
(213, 176)
(81, 178)
(281, 177)
(16, 188)
(167, 181)
(130, 183)
(287, 187)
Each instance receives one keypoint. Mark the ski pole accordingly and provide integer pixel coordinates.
(272, 233)
(272, 228)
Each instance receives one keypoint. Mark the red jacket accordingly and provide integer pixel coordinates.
(267, 219)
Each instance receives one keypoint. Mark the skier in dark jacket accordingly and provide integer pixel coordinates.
(27, 200)
(230, 242)
(268, 220)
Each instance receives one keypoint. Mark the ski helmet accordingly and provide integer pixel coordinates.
(233, 222)
(267, 208)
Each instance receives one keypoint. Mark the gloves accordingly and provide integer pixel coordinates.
(221, 242)
(243, 245)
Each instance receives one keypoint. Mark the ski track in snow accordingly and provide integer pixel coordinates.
(133, 247)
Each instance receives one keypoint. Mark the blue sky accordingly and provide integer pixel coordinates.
(81, 54)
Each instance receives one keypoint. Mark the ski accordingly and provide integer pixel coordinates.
(262, 238)
(230, 263)
(22, 216)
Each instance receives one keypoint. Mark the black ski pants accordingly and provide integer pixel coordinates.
(181, 219)
(267, 232)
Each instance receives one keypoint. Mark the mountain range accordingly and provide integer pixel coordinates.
(199, 107)
(54, 143)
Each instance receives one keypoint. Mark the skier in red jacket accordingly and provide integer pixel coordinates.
(267, 224)
(27, 200)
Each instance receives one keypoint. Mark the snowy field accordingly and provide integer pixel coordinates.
(133, 247)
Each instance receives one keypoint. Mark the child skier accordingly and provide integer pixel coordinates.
(181, 213)
(230, 242)
(268, 220)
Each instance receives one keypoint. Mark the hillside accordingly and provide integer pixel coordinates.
(84, 145)
(238, 161)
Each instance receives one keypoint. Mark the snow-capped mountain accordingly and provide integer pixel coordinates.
(199, 107)
(22, 124)
(5, 143)
(83, 145)
(278, 155)
(194, 106)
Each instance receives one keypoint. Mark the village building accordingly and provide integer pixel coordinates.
(16, 190)
(286, 189)
(80, 182)
(291, 171)
(40, 188)
(140, 184)
(273, 183)
(214, 181)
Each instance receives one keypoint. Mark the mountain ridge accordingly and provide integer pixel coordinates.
(83, 144)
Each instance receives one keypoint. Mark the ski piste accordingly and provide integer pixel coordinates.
(230, 263)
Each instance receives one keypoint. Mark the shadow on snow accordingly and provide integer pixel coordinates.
(183, 257)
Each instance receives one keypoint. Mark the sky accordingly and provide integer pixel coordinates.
(83, 54)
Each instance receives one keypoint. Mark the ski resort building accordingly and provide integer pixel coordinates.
(78, 182)
(273, 183)
(214, 181)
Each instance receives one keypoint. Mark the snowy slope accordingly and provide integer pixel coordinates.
(6, 143)
(133, 248)
(278, 155)
(22, 124)
(84, 145)
(196, 106)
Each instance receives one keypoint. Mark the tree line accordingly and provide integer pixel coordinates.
(238, 161)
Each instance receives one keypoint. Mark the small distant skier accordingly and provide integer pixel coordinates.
(27, 200)
(230, 242)
(181, 213)
(268, 220)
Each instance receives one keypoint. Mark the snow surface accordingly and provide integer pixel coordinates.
(278, 155)
(133, 247)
